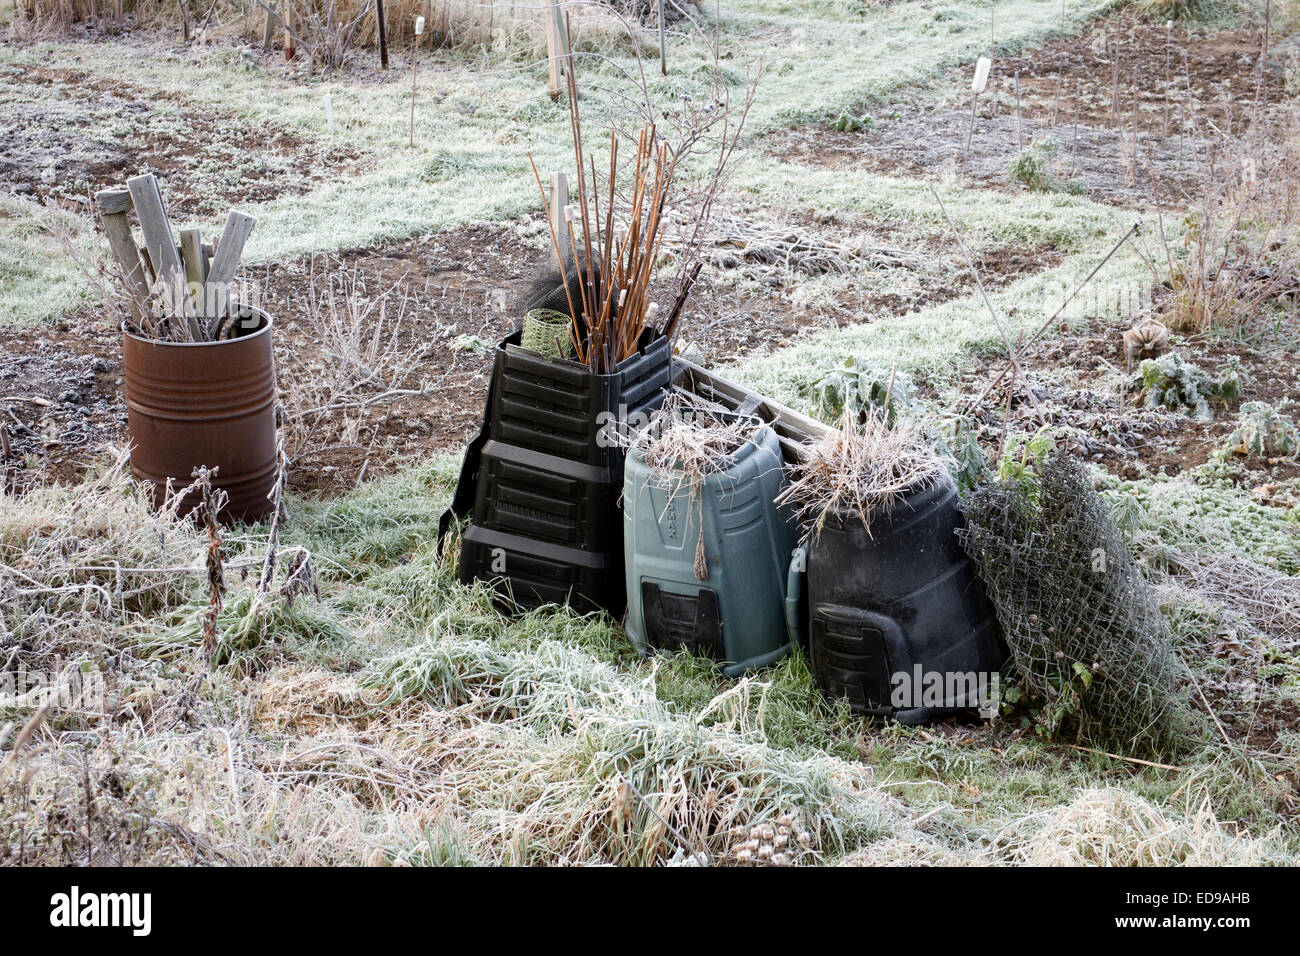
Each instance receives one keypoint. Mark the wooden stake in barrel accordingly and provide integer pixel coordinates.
(195, 266)
(221, 274)
(161, 243)
(114, 204)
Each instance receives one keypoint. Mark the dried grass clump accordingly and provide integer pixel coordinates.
(511, 29)
(861, 470)
(1113, 827)
(1265, 598)
(565, 759)
(1232, 262)
(688, 441)
(75, 559)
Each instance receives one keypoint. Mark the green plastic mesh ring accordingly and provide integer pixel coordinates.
(547, 333)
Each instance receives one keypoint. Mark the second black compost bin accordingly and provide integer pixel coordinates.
(896, 604)
(547, 476)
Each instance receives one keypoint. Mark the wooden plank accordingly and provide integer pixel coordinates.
(553, 46)
(114, 204)
(151, 275)
(114, 200)
(268, 32)
(794, 430)
(192, 261)
(230, 247)
(558, 200)
(161, 245)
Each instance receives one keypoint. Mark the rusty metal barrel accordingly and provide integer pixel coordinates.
(204, 403)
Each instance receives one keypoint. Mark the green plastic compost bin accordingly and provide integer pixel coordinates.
(736, 615)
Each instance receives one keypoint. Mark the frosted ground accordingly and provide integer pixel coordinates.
(398, 718)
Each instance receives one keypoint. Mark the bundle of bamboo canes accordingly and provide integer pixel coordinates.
(614, 262)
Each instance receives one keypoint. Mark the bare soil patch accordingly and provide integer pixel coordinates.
(60, 404)
(462, 289)
(65, 134)
(1134, 110)
(1076, 377)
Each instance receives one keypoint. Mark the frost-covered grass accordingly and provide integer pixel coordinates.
(478, 115)
(402, 719)
(38, 279)
(937, 341)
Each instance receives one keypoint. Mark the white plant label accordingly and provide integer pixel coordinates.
(982, 67)
(419, 25)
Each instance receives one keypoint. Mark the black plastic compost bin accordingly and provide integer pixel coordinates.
(544, 479)
(892, 612)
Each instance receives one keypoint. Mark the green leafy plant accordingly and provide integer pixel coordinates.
(1173, 382)
(1032, 168)
(1125, 510)
(1263, 431)
(959, 443)
(1023, 457)
(861, 389)
(848, 123)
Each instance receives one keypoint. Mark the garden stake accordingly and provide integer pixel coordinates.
(415, 58)
(663, 49)
(1011, 352)
(977, 86)
(1020, 132)
(288, 30)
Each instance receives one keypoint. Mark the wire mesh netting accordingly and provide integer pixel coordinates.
(546, 332)
(1083, 626)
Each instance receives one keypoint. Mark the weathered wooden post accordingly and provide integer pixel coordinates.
(113, 205)
(559, 201)
(268, 31)
(554, 46)
(383, 34)
(288, 30)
